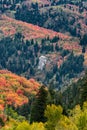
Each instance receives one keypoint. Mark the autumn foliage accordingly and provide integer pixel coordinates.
(13, 89)
(10, 26)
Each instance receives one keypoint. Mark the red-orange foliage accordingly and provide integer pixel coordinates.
(13, 89)
(19, 92)
(10, 26)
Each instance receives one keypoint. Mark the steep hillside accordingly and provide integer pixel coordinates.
(9, 27)
(40, 2)
(43, 43)
(76, 93)
(64, 18)
(47, 60)
(58, 15)
(15, 90)
(23, 45)
(65, 119)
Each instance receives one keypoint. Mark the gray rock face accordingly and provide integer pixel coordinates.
(42, 62)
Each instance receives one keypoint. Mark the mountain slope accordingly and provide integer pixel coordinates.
(62, 15)
(23, 45)
(9, 26)
(15, 90)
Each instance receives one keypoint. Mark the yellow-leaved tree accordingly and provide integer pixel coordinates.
(65, 124)
(23, 126)
(26, 126)
(79, 116)
(53, 114)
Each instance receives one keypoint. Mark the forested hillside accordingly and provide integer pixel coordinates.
(63, 16)
(27, 105)
(25, 57)
(43, 64)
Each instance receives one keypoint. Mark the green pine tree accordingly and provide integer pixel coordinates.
(39, 105)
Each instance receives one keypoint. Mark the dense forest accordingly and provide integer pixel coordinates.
(43, 64)
(22, 57)
(60, 17)
(45, 111)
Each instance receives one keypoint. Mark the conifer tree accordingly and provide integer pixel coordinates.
(39, 105)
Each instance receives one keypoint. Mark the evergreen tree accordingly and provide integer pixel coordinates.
(39, 105)
(55, 68)
(83, 49)
(1, 122)
(84, 93)
(24, 110)
(55, 39)
(83, 41)
(56, 47)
